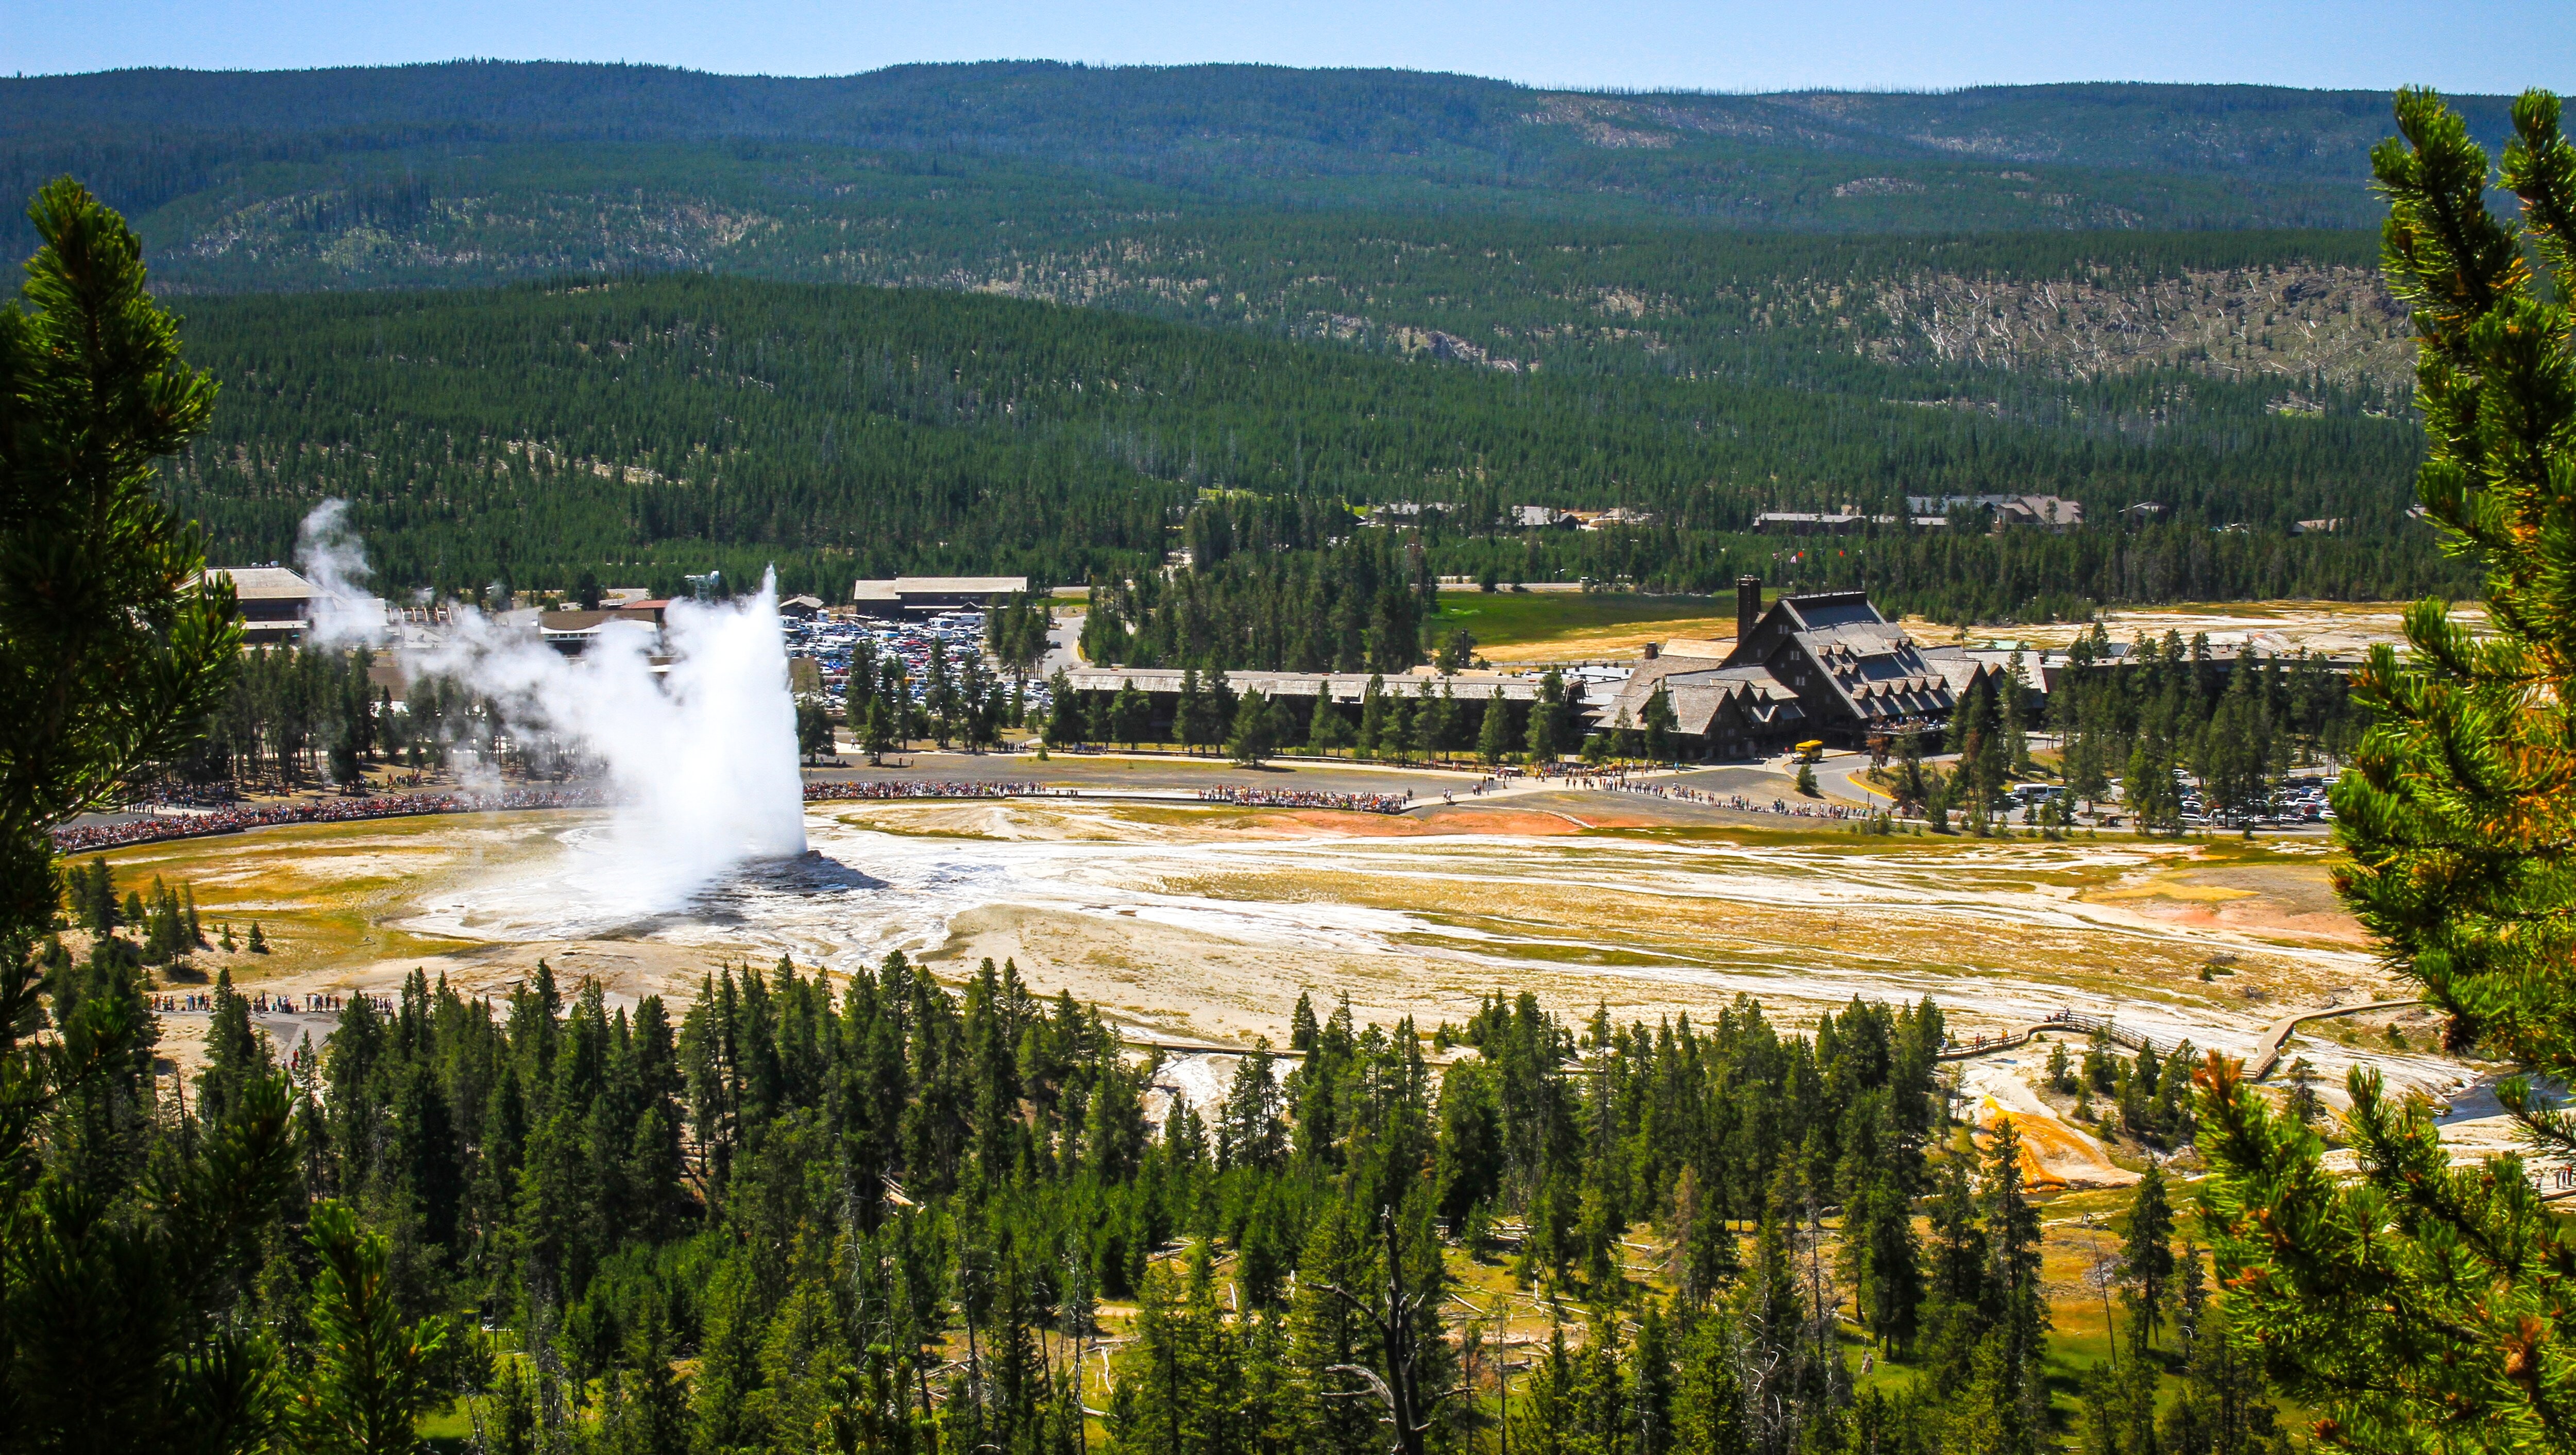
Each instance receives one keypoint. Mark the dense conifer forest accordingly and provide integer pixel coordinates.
(1386, 287)
(661, 424)
(870, 1212)
(332, 173)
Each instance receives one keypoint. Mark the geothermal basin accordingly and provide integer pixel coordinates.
(1203, 923)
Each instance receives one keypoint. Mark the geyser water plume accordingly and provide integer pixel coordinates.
(700, 758)
(335, 563)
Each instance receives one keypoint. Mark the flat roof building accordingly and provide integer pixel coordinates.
(916, 596)
(276, 603)
(1348, 688)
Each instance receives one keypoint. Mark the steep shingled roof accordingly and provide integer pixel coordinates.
(1866, 661)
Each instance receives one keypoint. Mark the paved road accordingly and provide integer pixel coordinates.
(1778, 778)
(1060, 655)
(1166, 774)
(1145, 773)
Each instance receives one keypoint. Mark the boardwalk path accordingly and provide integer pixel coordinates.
(2277, 1034)
(2266, 1055)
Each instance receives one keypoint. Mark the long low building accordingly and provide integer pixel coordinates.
(1297, 692)
(276, 603)
(1163, 684)
(926, 595)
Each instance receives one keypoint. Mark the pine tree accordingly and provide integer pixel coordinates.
(1470, 1165)
(1395, 736)
(2302, 1105)
(1543, 1419)
(1647, 1420)
(2018, 1301)
(1709, 1396)
(2425, 1297)
(1659, 723)
(2147, 1258)
(1180, 1382)
(2149, 787)
(1430, 728)
(1324, 731)
(1129, 715)
(1704, 1255)
(1974, 738)
(112, 654)
(2463, 781)
(1222, 703)
(2120, 1408)
(236, 1055)
(2014, 717)
(1064, 712)
(1373, 714)
(1457, 652)
(876, 732)
(2088, 781)
(373, 1376)
(813, 730)
(2223, 1407)
(1190, 712)
(1494, 732)
(1327, 1339)
(939, 695)
(1250, 740)
(1546, 728)
(1882, 1258)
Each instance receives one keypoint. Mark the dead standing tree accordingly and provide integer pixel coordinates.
(1396, 1318)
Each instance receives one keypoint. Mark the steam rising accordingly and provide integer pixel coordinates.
(335, 561)
(700, 760)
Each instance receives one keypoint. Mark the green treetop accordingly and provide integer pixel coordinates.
(1494, 729)
(2424, 1307)
(121, 1326)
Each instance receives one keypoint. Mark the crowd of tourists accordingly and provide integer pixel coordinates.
(1739, 803)
(946, 788)
(1585, 775)
(202, 1002)
(85, 838)
(1303, 798)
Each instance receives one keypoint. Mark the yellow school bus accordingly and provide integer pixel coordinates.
(1812, 750)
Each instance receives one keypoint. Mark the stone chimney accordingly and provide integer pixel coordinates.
(1748, 607)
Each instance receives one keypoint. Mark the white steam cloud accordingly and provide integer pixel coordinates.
(700, 758)
(335, 562)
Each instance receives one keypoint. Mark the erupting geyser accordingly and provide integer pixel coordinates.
(700, 758)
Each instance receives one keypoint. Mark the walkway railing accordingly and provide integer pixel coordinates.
(2064, 1020)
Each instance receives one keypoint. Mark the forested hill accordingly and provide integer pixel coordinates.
(473, 169)
(674, 422)
(2065, 230)
(1259, 118)
(1396, 285)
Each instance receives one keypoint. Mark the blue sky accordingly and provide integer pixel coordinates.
(2466, 45)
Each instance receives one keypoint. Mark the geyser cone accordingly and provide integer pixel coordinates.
(700, 758)
(704, 761)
